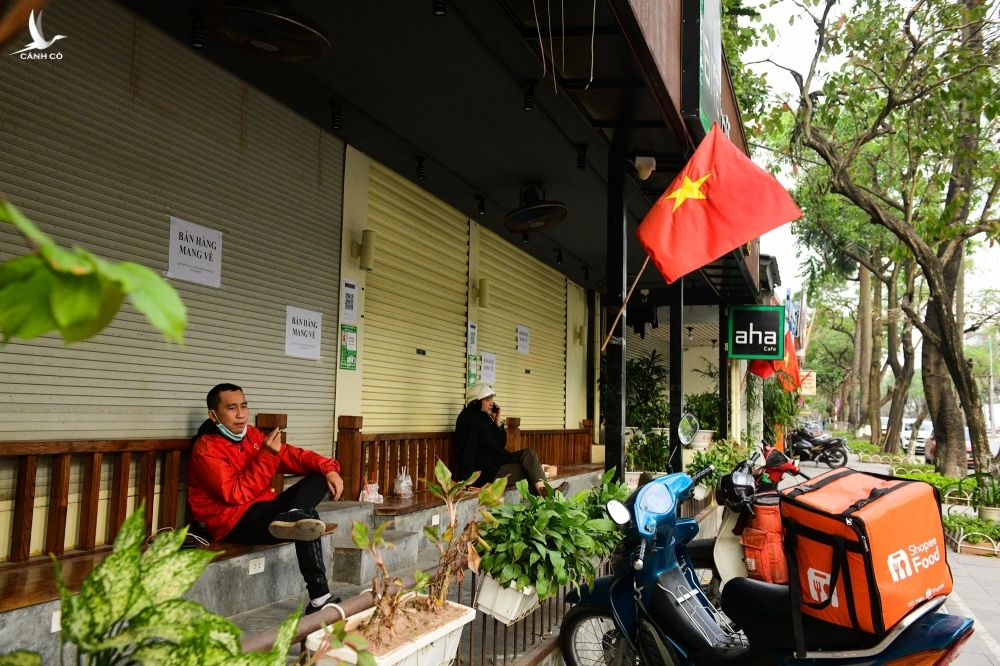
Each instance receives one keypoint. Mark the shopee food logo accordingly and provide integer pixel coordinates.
(819, 587)
(916, 557)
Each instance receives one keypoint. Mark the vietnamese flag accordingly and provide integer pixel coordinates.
(719, 201)
(788, 367)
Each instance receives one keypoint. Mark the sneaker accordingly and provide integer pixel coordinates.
(310, 609)
(296, 525)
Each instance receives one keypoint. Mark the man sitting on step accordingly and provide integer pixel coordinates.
(229, 487)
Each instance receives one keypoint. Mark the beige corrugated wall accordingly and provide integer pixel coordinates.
(526, 292)
(100, 148)
(415, 309)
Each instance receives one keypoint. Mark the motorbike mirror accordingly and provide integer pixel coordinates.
(618, 512)
(687, 428)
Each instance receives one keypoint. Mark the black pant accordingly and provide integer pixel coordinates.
(527, 467)
(305, 495)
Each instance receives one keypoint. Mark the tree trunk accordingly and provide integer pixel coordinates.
(875, 366)
(852, 404)
(896, 342)
(865, 335)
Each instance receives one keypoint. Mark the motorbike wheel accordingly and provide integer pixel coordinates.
(588, 637)
(836, 457)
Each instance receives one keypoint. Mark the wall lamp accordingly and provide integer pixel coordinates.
(578, 334)
(481, 292)
(690, 330)
(365, 250)
(644, 167)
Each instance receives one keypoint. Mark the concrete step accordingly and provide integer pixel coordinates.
(344, 513)
(355, 566)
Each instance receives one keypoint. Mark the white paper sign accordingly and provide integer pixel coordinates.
(471, 342)
(523, 338)
(303, 332)
(195, 253)
(349, 302)
(488, 374)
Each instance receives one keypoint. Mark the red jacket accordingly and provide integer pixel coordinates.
(226, 477)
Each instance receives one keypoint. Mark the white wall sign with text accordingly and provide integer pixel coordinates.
(523, 339)
(488, 372)
(195, 253)
(303, 332)
(349, 302)
(470, 346)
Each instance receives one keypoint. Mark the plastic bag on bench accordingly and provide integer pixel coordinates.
(403, 486)
(369, 493)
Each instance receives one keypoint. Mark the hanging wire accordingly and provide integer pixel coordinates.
(538, 28)
(593, 32)
(552, 54)
(562, 10)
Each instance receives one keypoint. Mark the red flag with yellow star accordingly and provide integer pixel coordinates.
(719, 201)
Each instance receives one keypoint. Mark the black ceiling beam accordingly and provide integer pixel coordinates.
(530, 32)
(629, 124)
(600, 84)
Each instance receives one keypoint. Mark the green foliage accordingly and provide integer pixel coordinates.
(780, 408)
(336, 636)
(646, 383)
(939, 481)
(705, 408)
(973, 526)
(20, 658)
(648, 452)
(986, 491)
(75, 292)
(547, 542)
(595, 504)
(861, 446)
(129, 609)
(723, 455)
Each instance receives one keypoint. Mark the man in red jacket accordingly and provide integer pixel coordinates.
(229, 487)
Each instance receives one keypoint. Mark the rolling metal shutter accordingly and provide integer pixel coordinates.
(415, 309)
(526, 292)
(100, 148)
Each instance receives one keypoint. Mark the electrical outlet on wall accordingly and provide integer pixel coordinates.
(436, 519)
(256, 566)
(56, 622)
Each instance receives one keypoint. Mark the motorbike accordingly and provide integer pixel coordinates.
(823, 448)
(651, 610)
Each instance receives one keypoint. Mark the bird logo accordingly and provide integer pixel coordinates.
(38, 41)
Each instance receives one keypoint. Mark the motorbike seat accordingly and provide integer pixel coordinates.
(764, 612)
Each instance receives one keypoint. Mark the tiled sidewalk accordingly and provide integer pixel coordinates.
(977, 591)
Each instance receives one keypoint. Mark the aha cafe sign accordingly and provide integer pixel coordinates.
(757, 331)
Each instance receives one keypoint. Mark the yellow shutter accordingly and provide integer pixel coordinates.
(415, 309)
(526, 292)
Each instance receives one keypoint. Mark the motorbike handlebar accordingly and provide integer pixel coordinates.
(699, 475)
(641, 557)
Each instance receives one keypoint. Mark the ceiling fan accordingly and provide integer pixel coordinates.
(534, 212)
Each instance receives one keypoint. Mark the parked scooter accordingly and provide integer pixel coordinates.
(824, 448)
(651, 610)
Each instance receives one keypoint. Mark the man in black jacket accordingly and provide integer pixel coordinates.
(481, 443)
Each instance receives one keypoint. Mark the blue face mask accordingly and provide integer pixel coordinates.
(229, 434)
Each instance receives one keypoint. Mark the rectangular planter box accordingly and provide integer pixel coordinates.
(505, 603)
(434, 647)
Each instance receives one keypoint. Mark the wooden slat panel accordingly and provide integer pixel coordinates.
(147, 486)
(24, 507)
(55, 529)
(169, 483)
(120, 474)
(90, 496)
(42, 448)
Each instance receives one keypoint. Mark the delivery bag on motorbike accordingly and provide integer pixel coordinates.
(864, 549)
(762, 540)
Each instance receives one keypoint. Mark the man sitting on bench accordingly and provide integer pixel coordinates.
(229, 487)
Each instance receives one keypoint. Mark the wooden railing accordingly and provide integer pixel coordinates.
(378, 457)
(165, 457)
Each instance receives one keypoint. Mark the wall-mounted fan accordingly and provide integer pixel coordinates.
(534, 213)
(267, 27)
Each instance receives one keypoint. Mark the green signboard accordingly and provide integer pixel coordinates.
(757, 331)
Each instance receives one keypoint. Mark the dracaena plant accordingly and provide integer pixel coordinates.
(457, 550)
(546, 542)
(129, 610)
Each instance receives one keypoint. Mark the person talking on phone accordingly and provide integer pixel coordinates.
(481, 445)
(229, 487)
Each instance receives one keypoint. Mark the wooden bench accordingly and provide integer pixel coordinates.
(377, 457)
(27, 579)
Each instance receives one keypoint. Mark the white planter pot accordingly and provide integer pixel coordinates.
(435, 647)
(990, 513)
(632, 480)
(702, 440)
(701, 491)
(505, 603)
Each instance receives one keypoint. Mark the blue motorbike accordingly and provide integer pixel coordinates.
(652, 611)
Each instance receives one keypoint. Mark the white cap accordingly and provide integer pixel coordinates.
(478, 392)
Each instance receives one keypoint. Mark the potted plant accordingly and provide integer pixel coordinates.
(417, 625)
(542, 543)
(704, 407)
(986, 496)
(723, 455)
(647, 452)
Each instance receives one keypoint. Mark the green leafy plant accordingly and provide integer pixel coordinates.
(939, 481)
(705, 408)
(646, 384)
(986, 491)
(545, 541)
(975, 528)
(595, 504)
(75, 292)
(723, 455)
(129, 610)
(457, 550)
(648, 452)
(780, 408)
(335, 637)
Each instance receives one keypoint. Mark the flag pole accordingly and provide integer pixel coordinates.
(618, 316)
